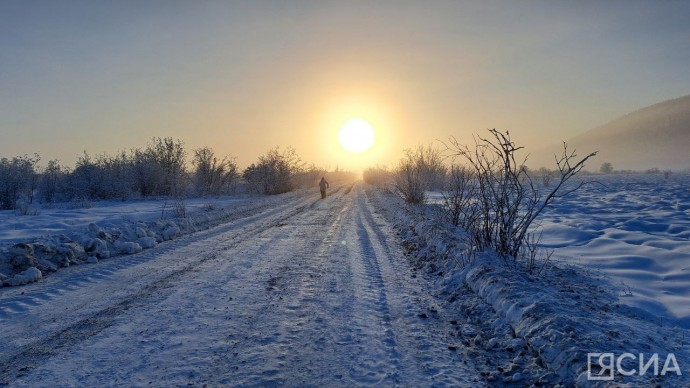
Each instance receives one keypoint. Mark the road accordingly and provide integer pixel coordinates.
(307, 292)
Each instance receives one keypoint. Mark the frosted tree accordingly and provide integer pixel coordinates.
(18, 179)
(211, 175)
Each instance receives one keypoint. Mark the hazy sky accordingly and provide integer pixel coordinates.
(244, 76)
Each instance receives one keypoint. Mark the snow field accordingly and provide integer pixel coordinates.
(635, 230)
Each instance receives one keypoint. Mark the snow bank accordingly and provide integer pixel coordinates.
(562, 316)
(62, 236)
(48, 254)
(31, 275)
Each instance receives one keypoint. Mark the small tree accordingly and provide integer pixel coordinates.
(409, 182)
(18, 179)
(545, 175)
(213, 176)
(52, 181)
(606, 168)
(160, 168)
(273, 173)
(87, 181)
(170, 155)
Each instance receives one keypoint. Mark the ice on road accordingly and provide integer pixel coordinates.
(304, 293)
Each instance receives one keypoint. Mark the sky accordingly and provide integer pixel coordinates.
(245, 76)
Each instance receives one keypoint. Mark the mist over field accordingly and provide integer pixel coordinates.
(657, 136)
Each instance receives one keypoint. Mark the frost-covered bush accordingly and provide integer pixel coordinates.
(409, 183)
(52, 183)
(211, 175)
(17, 179)
(102, 177)
(159, 169)
(310, 176)
(606, 168)
(119, 175)
(420, 170)
(545, 175)
(459, 195)
(378, 176)
(274, 172)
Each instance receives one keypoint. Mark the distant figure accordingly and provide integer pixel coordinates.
(323, 185)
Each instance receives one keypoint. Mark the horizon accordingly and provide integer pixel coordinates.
(243, 78)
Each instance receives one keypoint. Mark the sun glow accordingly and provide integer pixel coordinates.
(356, 135)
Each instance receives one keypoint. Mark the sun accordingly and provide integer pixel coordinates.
(356, 135)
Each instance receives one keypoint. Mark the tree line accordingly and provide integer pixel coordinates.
(158, 169)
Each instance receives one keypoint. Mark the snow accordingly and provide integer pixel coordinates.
(66, 217)
(357, 289)
(635, 230)
(298, 292)
(62, 234)
(29, 275)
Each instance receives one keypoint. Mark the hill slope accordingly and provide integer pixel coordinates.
(657, 136)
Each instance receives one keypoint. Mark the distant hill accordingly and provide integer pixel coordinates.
(657, 136)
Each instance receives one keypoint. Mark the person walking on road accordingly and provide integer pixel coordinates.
(323, 185)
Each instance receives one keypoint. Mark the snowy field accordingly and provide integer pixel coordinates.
(633, 229)
(636, 230)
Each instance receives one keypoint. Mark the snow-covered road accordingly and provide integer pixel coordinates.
(306, 292)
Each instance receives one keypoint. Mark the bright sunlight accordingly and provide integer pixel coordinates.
(356, 135)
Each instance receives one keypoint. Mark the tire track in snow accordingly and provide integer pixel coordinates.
(317, 298)
(422, 342)
(28, 356)
(346, 318)
(20, 299)
(374, 296)
(278, 342)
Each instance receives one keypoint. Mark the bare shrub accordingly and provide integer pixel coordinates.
(536, 259)
(159, 169)
(508, 202)
(308, 176)
(545, 175)
(170, 156)
(458, 196)
(180, 208)
(102, 177)
(409, 182)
